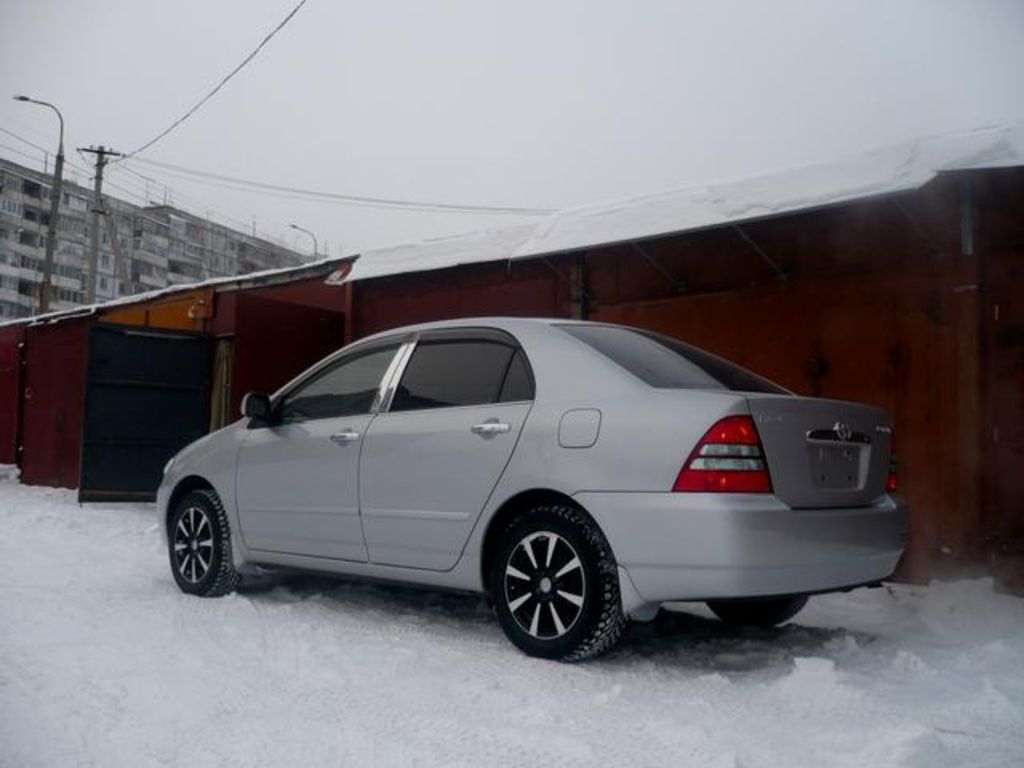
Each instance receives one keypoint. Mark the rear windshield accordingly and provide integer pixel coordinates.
(667, 363)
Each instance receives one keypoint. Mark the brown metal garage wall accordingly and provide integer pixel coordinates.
(532, 289)
(862, 338)
(998, 198)
(276, 340)
(54, 396)
(878, 305)
(10, 391)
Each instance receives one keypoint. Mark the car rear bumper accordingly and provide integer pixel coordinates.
(694, 546)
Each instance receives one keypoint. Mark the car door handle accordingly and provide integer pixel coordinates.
(345, 436)
(490, 428)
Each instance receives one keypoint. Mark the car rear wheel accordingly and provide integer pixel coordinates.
(199, 546)
(763, 612)
(556, 585)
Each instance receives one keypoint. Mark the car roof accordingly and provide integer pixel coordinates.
(505, 323)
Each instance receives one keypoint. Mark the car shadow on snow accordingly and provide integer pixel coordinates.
(365, 596)
(707, 644)
(674, 638)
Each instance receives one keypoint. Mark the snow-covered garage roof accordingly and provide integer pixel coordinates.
(894, 169)
(267, 277)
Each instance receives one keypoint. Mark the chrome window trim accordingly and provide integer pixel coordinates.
(389, 383)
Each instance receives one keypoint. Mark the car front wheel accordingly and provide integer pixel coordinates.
(199, 546)
(556, 586)
(763, 612)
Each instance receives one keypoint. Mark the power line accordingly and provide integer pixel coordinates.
(212, 214)
(23, 139)
(199, 204)
(241, 226)
(134, 193)
(44, 150)
(219, 85)
(137, 213)
(379, 202)
(17, 151)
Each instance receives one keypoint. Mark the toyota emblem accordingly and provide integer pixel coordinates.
(843, 431)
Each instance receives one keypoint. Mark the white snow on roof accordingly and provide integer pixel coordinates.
(894, 169)
(487, 245)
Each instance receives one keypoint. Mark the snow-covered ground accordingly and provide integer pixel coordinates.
(104, 663)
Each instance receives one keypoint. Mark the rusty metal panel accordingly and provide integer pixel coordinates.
(531, 289)
(275, 340)
(11, 349)
(225, 309)
(886, 338)
(54, 393)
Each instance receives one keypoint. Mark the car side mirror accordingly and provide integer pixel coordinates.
(256, 405)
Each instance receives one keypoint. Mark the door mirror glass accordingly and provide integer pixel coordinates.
(256, 405)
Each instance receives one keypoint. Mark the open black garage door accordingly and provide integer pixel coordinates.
(147, 396)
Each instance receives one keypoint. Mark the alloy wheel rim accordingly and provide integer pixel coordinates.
(545, 586)
(193, 545)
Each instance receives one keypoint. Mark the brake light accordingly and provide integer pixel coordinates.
(890, 481)
(728, 459)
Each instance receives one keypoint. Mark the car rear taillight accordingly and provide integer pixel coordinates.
(728, 459)
(890, 481)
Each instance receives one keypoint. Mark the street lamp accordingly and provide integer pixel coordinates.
(55, 193)
(303, 229)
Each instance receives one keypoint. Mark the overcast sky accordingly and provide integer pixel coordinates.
(526, 103)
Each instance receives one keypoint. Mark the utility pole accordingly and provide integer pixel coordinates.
(98, 209)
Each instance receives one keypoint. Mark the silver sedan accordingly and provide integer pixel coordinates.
(580, 474)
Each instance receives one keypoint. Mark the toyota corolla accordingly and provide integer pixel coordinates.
(580, 474)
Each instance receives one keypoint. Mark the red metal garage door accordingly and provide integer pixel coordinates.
(54, 390)
(10, 391)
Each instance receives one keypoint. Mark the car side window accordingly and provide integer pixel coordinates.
(347, 388)
(441, 374)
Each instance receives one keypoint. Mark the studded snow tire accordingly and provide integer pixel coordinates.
(199, 546)
(555, 585)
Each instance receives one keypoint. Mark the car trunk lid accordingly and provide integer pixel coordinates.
(823, 453)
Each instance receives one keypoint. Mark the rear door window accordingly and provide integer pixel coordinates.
(518, 380)
(667, 363)
(444, 374)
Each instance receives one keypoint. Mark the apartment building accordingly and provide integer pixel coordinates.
(141, 248)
